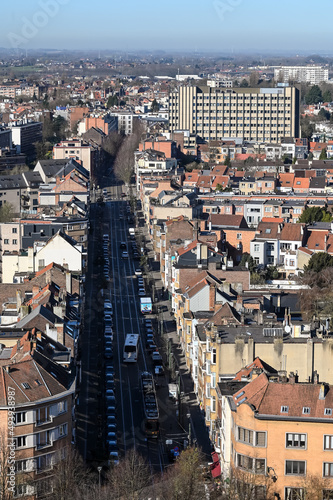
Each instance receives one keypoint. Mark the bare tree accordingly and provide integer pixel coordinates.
(185, 480)
(129, 478)
(71, 477)
(124, 163)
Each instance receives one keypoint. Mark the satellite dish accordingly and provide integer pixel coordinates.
(287, 329)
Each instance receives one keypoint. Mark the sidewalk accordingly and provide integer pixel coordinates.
(195, 425)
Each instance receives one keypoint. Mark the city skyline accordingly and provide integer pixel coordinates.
(225, 26)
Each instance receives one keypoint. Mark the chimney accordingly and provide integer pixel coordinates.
(212, 295)
(292, 378)
(69, 282)
(255, 372)
(282, 374)
(325, 242)
(322, 391)
(35, 290)
(18, 299)
(315, 377)
(7, 368)
(198, 253)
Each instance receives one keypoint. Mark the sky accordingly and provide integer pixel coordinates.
(223, 26)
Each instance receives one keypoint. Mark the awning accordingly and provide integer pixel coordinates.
(215, 467)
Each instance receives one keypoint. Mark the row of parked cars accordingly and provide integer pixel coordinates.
(110, 398)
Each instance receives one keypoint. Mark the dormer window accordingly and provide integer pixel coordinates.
(306, 410)
(284, 409)
(328, 412)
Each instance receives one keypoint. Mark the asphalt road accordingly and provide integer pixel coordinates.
(91, 407)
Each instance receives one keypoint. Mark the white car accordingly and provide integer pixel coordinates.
(124, 255)
(141, 292)
(138, 272)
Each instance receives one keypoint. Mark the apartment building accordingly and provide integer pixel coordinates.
(307, 74)
(24, 135)
(263, 115)
(43, 394)
(282, 437)
(77, 150)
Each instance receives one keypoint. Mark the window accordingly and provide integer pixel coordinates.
(306, 410)
(328, 442)
(256, 465)
(328, 411)
(213, 404)
(20, 417)
(256, 248)
(239, 236)
(14, 242)
(21, 441)
(245, 435)
(294, 494)
(295, 440)
(6, 241)
(14, 230)
(284, 409)
(327, 494)
(62, 430)
(295, 467)
(328, 469)
(268, 230)
(260, 439)
(213, 356)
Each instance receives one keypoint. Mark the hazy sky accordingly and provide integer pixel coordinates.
(214, 25)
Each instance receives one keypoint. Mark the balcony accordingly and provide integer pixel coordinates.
(44, 444)
(43, 421)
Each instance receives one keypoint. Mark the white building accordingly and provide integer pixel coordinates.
(308, 74)
(60, 249)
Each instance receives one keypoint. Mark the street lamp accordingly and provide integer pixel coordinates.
(99, 479)
(189, 429)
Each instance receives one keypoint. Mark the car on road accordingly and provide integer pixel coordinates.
(124, 255)
(150, 345)
(156, 357)
(109, 384)
(159, 370)
(123, 245)
(108, 352)
(141, 292)
(110, 410)
(110, 419)
(107, 317)
(138, 272)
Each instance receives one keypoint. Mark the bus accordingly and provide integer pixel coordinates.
(131, 348)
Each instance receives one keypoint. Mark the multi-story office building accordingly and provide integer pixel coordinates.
(307, 74)
(255, 114)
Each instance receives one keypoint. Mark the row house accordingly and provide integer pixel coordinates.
(175, 233)
(60, 249)
(276, 244)
(251, 185)
(42, 430)
(63, 191)
(152, 162)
